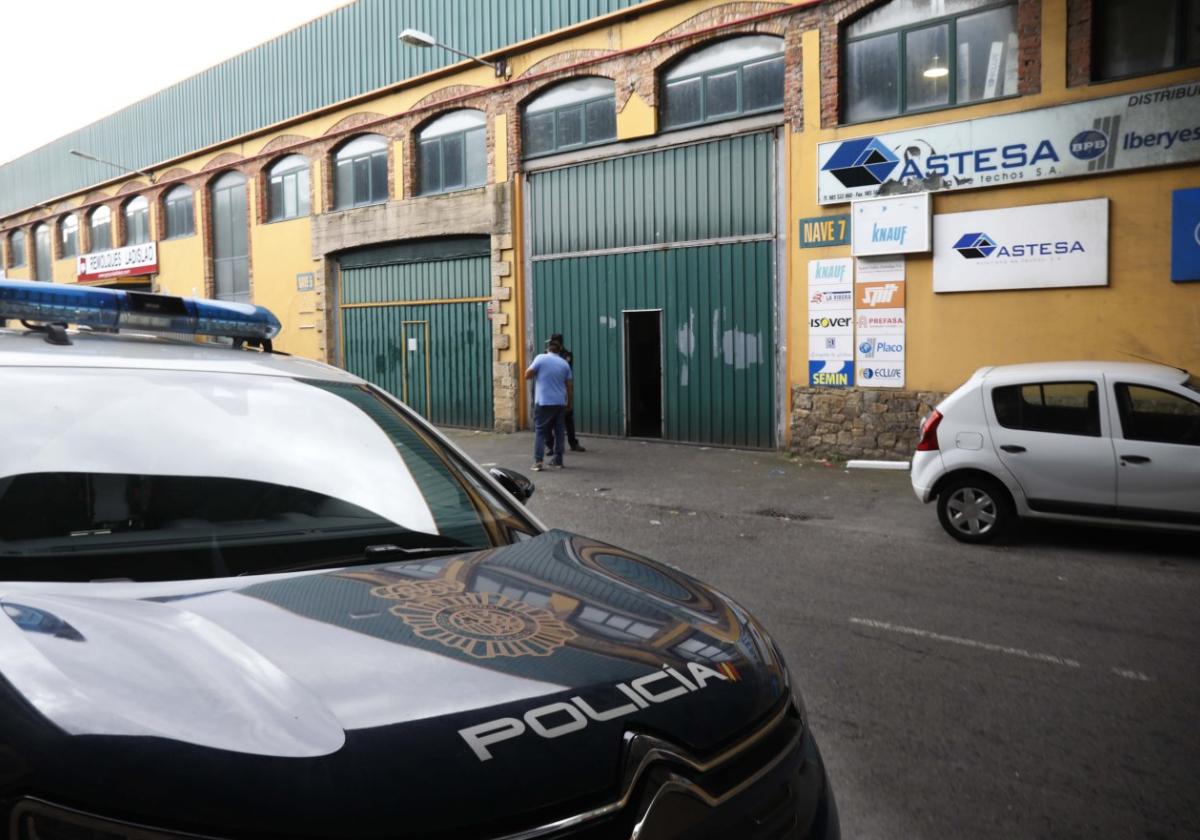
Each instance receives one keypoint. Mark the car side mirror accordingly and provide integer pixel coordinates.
(520, 486)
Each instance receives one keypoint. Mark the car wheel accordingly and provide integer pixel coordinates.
(974, 509)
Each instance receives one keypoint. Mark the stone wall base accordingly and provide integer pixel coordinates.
(505, 395)
(857, 423)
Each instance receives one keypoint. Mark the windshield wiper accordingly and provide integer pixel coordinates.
(386, 549)
(371, 552)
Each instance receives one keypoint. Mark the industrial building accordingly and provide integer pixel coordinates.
(668, 183)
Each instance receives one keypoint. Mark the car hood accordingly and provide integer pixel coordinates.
(345, 701)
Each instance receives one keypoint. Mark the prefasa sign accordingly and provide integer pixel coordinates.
(130, 261)
(1150, 128)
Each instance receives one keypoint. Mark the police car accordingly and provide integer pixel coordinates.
(250, 595)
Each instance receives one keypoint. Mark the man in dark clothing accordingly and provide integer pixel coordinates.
(576, 446)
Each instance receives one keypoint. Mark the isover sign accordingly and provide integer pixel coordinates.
(1151, 128)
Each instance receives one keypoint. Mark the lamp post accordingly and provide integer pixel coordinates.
(86, 156)
(416, 38)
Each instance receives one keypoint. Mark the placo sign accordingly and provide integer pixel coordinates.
(130, 261)
(822, 231)
(831, 323)
(1042, 246)
(1150, 128)
(883, 226)
(1185, 235)
(879, 320)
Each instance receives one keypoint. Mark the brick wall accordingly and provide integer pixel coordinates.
(1079, 42)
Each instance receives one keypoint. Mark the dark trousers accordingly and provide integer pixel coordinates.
(549, 419)
(571, 439)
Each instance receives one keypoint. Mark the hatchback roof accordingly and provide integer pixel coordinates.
(23, 348)
(1049, 371)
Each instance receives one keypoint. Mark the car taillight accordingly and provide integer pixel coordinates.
(928, 441)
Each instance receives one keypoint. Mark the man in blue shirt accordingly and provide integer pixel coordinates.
(553, 392)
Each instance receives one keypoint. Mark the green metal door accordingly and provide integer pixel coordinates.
(417, 326)
(689, 231)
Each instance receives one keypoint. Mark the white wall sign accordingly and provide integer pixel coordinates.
(1150, 128)
(897, 225)
(1037, 247)
(879, 319)
(130, 261)
(831, 322)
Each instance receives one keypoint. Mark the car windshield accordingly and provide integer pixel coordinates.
(159, 475)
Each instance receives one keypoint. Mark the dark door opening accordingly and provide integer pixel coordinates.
(643, 374)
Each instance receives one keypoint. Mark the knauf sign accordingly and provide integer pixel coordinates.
(1151, 128)
(884, 226)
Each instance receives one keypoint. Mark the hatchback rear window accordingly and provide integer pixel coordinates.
(1065, 408)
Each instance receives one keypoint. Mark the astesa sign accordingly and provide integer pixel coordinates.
(131, 261)
(1037, 247)
(1151, 128)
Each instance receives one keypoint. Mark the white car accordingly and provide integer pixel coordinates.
(1116, 443)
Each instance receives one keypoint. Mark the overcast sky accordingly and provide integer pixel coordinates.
(67, 63)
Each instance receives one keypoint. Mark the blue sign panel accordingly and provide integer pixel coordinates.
(833, 374)
(1185, 235)
(819, 231)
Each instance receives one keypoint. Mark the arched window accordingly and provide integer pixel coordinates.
(68, 236)
(231, 247)
(16, 248)
(360, 174)
(898, 57)
(100, 229)
(453, 152)
(288, 189)
(582, 112)
(43, 268)
(137, 220)
(728, 79)
(180, 213)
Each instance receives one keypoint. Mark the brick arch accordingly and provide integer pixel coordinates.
(173, 174)
(447, 93)
(426, 119)
(93, 198)
(670, 55)
(132, 187)
(564, 59)
(726, 14)
(354, 121)
(224, 160)
(283, 142)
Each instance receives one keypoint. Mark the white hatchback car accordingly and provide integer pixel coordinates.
(1107, 442)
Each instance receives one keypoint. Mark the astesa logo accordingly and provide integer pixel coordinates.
(975, 246)
(864, 162)
(1089, 144)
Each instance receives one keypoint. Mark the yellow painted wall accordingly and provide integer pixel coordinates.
(181, 265)
(278, 252)
(949, 335)
(636, 119)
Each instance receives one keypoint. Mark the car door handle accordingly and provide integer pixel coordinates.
(1013, 448)
(1135, 459)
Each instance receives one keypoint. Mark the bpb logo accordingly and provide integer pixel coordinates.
(864, 162)
(1089, 144)
(975, 246)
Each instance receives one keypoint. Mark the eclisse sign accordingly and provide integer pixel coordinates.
(130, 261)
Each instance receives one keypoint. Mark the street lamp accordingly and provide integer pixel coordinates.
(417, 38)
(86, 156)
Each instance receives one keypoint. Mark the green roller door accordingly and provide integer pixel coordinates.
(420, 330)
(687, 232)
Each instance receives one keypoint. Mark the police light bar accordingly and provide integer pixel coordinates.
(116, 309)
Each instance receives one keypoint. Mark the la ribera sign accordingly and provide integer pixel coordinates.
(1151, 128)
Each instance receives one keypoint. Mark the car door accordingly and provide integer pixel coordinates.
(1054, 438)
(1158, 453)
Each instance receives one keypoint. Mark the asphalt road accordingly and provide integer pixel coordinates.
(1047, 688)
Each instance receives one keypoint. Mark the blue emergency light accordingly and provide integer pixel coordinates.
(115, 309)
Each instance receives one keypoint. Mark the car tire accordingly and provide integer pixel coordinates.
(975, 509)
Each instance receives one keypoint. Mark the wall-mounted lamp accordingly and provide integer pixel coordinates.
(86, 156)
(416, 38)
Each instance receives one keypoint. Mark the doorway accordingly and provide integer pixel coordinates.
(643, 373)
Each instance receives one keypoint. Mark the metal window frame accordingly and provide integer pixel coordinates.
(64, 234)
(356, 200)
(38, 267)
(901, 33)
(703, 76)
(425, 147)
(285, 178)
(174, 206)
(558, 148)
(16, 253)
(132, 222)
(1180, 62)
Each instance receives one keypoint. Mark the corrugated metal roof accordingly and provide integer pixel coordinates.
(350, 51)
